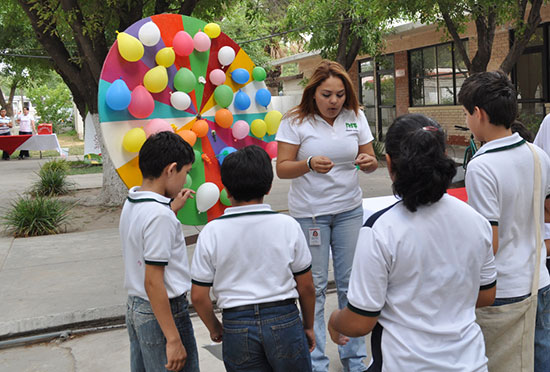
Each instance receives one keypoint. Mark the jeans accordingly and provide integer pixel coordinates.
(147, 342)
(542, 328)
(339, 234)
(5, 154)
(270, 339)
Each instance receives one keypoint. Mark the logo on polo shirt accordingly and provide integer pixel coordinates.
(351, 127)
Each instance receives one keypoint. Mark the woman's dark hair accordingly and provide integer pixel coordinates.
(422, 171)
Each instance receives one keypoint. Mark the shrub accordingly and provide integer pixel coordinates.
(53, 179)
(35, 216)
(379, 149)
(55, 164)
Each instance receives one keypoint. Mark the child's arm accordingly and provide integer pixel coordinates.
(346, 322)
(156, 291)
(486, 297)
(306, 291)
(200, 297)
(179, 201)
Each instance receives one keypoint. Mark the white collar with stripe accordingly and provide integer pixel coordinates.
(501, 144)
(137, 196)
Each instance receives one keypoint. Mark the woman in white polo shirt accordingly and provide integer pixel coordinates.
(421, 266)
(26, 126)
(321, 143)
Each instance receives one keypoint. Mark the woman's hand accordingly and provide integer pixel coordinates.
(367, 163)
(321, 164)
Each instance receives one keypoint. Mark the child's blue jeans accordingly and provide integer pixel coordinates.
(270, 339)
(147, 342)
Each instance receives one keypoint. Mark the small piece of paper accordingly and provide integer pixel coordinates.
(215, 349)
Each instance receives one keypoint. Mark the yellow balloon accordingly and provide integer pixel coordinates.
(165, 57)
(156, 79)
(273, 119)
(258, 128)
(134, 139)
(212, 30)
(129, 47)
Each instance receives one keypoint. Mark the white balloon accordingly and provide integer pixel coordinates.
(226, 55)
(207, 195)
(180, 100)
(149, 34)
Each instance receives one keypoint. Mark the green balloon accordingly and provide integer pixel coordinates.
(224, 199)
(198, 158)
(259, 74)
(223, 95)
(185, 80)
(188, 182)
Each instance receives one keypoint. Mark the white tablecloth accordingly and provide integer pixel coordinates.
(41, 142)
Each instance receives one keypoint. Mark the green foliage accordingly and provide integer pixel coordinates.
(83, 167)
(52, 179)
(53, 103)
(55, 165)
(35, 216)
(379, 149)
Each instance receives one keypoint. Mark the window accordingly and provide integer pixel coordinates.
(436, 74)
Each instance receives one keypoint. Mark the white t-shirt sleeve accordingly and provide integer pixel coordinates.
(482, 193)
(488, 274)
(369, 275)
(202, 268)
(301, 262)
(288, 132)
(157, 251)
(365, 135)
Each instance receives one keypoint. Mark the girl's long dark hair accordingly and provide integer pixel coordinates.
(422, 171)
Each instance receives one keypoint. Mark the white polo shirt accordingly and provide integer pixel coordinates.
(499, 182)
(250, 255)
(316, 194)
(421, 274)
(25, 122)
(151, 235)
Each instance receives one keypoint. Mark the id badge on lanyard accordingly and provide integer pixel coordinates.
(314, 235)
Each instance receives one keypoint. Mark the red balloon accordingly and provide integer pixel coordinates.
(183, 43)
(142, 103)
(271, 149)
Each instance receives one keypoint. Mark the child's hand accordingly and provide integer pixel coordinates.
(175, 355)
(180, 199)
(336, 337)
(310, 335)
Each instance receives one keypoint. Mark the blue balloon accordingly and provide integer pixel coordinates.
(118, 95)
(224, 152)
(263, 97)
(241, 101)
(240, 76)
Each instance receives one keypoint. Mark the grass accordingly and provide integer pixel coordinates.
(82, 167)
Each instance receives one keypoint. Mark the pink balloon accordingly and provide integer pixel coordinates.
(142, 103)
(183, 43)
(157, 125)
(240, 129)
(271, 149)
(201, 41)
(217, 77)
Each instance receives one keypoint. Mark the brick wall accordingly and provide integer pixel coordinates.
(401, 83)
(447, 117)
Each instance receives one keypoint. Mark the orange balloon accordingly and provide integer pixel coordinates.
(200, 127)
(188, 136)
(224, 118)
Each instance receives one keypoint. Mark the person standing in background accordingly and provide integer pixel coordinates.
(542, 140)
(26, 126)
(5, 129)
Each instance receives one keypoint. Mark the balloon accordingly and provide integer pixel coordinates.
(157, 125)
(259, 74)
(273, 119)
(149, 34)
(185, 80)
(156, 79)
(242, 101)
(200, 127)
(198, 158)
(224, 152)
(207, 195)
(224, 118)
(165, 57)
(183, 44)
(142, 104)
(240, 76)
(224, 198)
(271, 149)
(263, 97)
(188, 181)
(188, 136)
(201, 41)
(180, 101)
(134, 139)
(258, 128)
(240, 129)
(223, 95)
(226, 55)
(217, 77)
(130, 48)
(212, 30)
(118, 95)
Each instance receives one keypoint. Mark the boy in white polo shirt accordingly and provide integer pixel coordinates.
(258, 263)
(155, 259)
(500, 186)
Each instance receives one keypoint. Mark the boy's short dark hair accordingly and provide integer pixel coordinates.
(247, 173)
(162, 149)
(494, 93)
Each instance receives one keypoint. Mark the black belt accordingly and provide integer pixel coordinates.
(264, 305)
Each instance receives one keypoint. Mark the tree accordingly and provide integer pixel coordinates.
(77, 35)
(52, 100)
